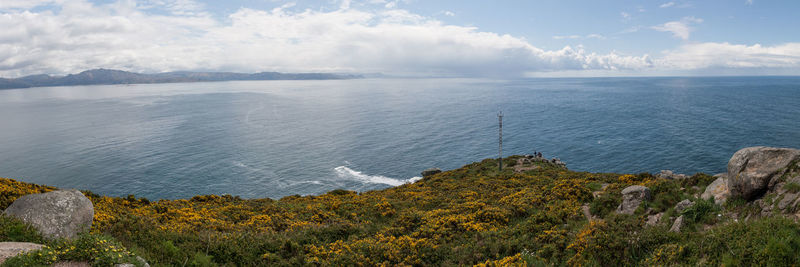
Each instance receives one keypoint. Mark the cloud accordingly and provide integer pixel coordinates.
(680, 29)
(666, 5)
(588, 36)
(595, 36)
(731, 56)
(561, 37)
(625, 15)
(123, 35)
(25, 4)
(345, 4)
(448, 13)
(749, 2)
(160, 36)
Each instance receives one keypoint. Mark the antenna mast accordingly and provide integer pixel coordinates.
(500, 144)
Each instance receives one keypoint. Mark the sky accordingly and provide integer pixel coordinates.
(442, 38)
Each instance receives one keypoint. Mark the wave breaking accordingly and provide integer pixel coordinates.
(346, 173)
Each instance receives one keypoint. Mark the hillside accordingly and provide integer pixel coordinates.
(531, 213)
(106, 76)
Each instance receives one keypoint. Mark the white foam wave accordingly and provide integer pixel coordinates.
(346, 173)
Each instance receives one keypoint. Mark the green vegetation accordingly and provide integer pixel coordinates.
(97, 249)
(474, 215)
(792, 187)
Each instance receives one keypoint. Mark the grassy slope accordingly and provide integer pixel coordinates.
(471, 215)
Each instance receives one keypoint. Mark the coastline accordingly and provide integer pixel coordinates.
(471, 215)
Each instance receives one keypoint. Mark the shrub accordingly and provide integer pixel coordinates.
(703, 211)
(606, 203)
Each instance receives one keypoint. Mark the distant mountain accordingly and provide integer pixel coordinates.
(106, 76)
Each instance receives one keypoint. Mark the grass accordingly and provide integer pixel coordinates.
(791, 187)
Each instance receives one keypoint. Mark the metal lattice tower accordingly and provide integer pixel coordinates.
(500, 143)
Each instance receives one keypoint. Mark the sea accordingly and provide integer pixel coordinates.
(269, 139)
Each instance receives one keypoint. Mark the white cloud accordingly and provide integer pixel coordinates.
(625, 15)
(561, 37)
(666, 5)
(595, 36)
(25, 4)
(681, 28)
(345, 4)
(127, 36)
(731, 56)
(175, 35)
(588, 36)
(448, 13)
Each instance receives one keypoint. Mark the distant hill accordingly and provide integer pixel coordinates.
(107, 76)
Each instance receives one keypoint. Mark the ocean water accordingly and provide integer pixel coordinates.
(276, 138)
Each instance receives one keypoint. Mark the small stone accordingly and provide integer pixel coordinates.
(71, 264)
(683, 205)
(653, 219)
(677, 225)
(140, 259)
(587, 212)
(431, 171)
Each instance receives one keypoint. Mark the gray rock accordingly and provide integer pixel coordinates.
(11, 249)
(431, 171)
(653, 219)
(668, 174)
(683, 205)
(71, 264)
(717, 190)
(140, 259)
(57, 214)
(632, 197)
(587, 212)
(677, 225)
(751, 170)
(787, 199)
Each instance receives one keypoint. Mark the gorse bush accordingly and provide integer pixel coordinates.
(474, 215)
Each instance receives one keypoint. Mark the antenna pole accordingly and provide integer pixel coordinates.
(500, 144)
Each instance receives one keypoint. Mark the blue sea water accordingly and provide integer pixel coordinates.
(276, 138)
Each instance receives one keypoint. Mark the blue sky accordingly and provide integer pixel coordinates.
(404, 37)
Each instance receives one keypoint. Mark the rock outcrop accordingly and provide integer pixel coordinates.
(632, 197)
(431, 171)
(717, 189)
(11, 249)
(754, 170)
(56, 214)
